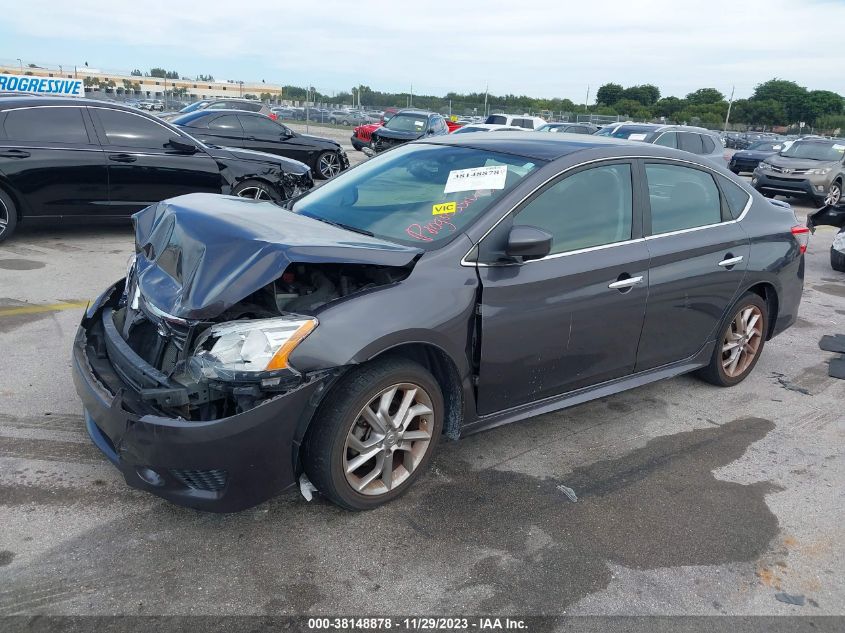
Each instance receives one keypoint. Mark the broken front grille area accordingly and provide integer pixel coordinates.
(160, 343)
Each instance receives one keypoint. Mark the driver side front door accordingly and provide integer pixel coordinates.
(573, 318)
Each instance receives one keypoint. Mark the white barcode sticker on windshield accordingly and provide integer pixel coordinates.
(476, 178)
(637, 137)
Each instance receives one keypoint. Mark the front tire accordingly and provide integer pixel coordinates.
(837, 260)
(374, 434)
(8, 216)
(740, 342)
(834, 195)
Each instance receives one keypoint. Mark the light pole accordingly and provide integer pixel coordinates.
(20, 61)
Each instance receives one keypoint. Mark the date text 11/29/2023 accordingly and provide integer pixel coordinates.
(417, 624)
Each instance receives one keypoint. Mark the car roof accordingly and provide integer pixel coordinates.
(415, 111)
(7, 102)
(544, 146)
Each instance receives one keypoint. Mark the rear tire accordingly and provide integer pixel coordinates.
(329, 450)
(8, 216)
(739, 344)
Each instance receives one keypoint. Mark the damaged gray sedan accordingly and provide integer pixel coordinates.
(444, 287)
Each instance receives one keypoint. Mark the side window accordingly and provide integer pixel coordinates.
(132, 130)
(735, 196)
(46, 125)
(217, 105)
(667, 139)
(497, 119)
(526, 123)
(690, 142)
(259, 125)
(227, 123)
(590, 208)
(708, 144)
(681, 198)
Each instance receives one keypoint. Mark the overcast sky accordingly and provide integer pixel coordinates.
(538, 48)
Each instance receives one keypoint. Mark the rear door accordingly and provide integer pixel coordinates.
(50, 157)
(224, 130)
(143, 167)
(699, 255)
(573, 318)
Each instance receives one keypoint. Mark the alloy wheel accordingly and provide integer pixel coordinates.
(833, 194)
(255, 193)
(4, 217)
(742, 341)
(329, 165)
(388, 439)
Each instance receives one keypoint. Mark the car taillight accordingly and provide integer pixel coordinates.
(273, 116)
(802, 236)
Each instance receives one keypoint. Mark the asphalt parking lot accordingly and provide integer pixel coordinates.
(690, 499)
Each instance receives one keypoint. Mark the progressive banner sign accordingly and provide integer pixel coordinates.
(42, 85)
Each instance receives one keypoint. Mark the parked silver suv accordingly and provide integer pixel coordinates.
(810, 167)
(696, 140)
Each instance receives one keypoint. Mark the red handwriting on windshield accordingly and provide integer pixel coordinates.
(424, 232)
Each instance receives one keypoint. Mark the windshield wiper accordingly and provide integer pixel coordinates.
(348, 227)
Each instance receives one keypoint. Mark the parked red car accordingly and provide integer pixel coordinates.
(362, 135)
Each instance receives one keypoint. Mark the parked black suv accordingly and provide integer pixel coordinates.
(66, 158)
(408, 125)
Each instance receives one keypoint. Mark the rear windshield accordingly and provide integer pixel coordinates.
(633, 132)
(417, 194)
(816, 151)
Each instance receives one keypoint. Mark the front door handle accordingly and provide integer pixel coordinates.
(123, 158)
(730, 262)
(628, 282)
(14, 153)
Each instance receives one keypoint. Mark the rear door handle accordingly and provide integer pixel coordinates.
(123, 158)
(628, 282)
(730, 261)
(14, 153)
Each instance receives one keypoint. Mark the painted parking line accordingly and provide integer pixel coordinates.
(37, 309)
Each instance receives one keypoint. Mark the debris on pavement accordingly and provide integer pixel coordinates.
(569, 492)
(833, 343)
(306, 487)
(790, 598)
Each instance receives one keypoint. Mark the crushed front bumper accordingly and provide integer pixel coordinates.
(221, 465)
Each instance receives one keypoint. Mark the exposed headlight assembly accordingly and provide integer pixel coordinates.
(249, 347)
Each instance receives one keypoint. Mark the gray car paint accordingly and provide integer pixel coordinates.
(435, 306)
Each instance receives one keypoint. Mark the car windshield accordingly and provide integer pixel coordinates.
(192, 107)
(418, 194)
(816, 151)
(633, 132)
(549, 127)
(407, 123)
(470, 128)
(765, 146)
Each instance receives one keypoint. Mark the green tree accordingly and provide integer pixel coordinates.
(158, 72)
(790, 95)
(668, 107)
(136, 73)
(705, 95)
(609, 94)
(822, 103)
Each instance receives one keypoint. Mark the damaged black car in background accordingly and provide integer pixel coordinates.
(447, 286)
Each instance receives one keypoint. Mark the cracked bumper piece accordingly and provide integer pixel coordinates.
(223, 465)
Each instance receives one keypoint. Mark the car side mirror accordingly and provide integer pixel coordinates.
(182, 146)
(528, 242)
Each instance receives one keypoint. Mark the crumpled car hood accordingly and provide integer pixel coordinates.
(201, 253)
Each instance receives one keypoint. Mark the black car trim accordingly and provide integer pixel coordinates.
(469, 263)
(133, 369)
